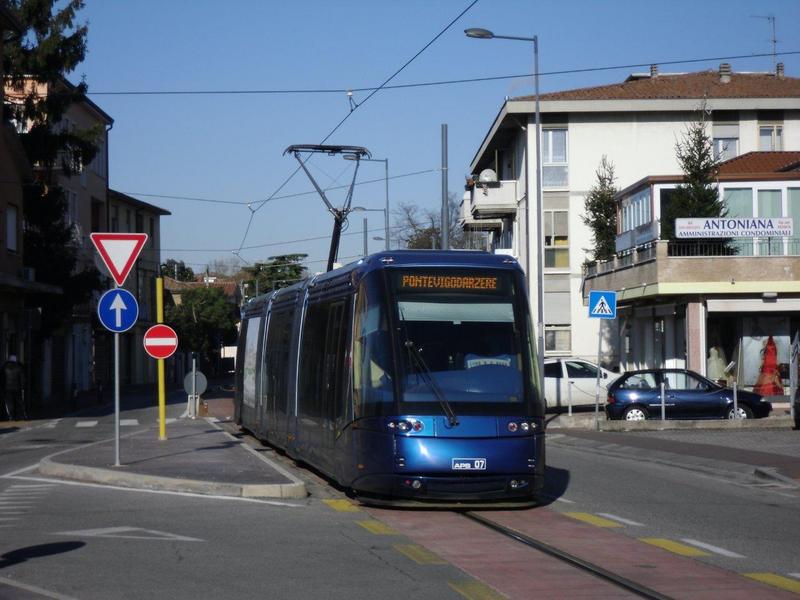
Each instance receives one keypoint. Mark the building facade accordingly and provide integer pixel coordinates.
(635, 125)
(716, 305)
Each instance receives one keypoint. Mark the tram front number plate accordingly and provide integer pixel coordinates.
(469, 464)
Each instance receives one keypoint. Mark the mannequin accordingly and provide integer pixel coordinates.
(715, 364)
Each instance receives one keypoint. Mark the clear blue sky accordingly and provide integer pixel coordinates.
(230, 147)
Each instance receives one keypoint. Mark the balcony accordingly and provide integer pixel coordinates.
(494, 200)
(721, 267)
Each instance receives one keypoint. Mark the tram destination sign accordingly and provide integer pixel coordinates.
(728, 227)
(432, 281)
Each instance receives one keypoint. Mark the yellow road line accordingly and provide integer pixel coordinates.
(377, 527)
(790, 585)
(474, 590)
(593, 519)
(420, 555)
(676, 547)
(342, 505)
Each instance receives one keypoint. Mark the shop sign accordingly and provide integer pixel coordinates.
(729, 227)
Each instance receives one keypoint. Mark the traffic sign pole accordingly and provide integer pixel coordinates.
(116, 400)
(602, 305)
(162, 402)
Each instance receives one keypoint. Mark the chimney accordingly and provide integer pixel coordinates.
(725, 72)
(653, 70)
(779, 70)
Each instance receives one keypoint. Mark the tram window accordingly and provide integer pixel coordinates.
(372, 357)
(249, 370)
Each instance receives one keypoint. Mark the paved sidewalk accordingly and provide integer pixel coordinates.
(198, 457)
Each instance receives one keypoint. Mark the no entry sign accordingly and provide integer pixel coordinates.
(160, 341)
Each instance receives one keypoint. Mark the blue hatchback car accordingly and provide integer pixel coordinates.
(636, 396)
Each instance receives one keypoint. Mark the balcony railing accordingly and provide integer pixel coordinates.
(493, 200)
(778, 246)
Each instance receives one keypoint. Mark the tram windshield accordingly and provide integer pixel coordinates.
(460, 341)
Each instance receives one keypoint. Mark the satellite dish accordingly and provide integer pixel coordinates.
(487, 176)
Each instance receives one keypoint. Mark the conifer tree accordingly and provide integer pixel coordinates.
(52, 45)
(698, 196)
(601, 212)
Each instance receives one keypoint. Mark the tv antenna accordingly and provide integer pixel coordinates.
(355, 153)
(771, 20)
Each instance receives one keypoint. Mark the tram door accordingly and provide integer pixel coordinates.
(334, 377)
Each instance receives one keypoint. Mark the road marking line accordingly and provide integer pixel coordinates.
(675, 547)
(342, 505)
(795, 575)
(14, 513)
(621, 520)
(377, 527)
(85, 423)
(34, 486)
(130, 533)
(714, 549)
(565, 501)
(777, 581)
(474, 590)
(35, 590)
(129, 422)
(420, 555)
(51, 424)
(592, 519)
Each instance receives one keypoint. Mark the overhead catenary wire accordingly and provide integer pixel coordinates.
(346, 117)
(401, 86)
(284, 197)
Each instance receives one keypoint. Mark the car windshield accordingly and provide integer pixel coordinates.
(460, 344)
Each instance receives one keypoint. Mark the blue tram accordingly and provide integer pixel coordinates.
(408, 376)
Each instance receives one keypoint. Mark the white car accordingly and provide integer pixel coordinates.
(573, 381)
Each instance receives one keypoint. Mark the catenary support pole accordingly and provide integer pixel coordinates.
(445, 208)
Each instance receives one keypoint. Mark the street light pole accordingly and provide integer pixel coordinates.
(485, 34)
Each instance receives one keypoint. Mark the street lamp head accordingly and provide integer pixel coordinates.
(477, 32)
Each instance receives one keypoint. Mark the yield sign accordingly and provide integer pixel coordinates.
(119, 251)
(160, 341)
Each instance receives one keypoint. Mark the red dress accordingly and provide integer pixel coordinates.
(769, 380)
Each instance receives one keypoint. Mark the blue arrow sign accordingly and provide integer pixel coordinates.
(602, 304)
(118, 310)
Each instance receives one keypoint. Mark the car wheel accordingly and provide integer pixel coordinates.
(743, 412)
(635, 413)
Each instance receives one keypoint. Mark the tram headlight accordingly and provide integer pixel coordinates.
(525, 426)
(403, 426)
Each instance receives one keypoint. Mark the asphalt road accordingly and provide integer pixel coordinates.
(71, 540)
(757, 523)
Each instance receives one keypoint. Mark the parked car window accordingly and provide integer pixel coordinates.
(552, 370)
(580, 369)
(679, 380)
(640, 381)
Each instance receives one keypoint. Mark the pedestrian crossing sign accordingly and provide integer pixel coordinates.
(602, 304)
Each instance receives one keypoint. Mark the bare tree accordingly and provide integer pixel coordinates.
(419, 228)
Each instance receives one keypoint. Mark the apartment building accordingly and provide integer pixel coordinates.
(66, 362)
(636, 125)
(16, 322)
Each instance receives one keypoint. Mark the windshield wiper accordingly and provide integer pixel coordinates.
(425, 371)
